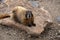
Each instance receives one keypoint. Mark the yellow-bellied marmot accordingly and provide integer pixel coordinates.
(21, 15)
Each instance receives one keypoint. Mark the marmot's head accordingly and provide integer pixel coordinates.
(28, 14)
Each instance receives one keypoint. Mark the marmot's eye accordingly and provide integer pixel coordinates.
(14, 11)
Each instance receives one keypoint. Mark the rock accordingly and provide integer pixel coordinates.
(58, 19)
(34, 3)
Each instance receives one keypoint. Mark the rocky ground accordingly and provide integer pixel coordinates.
(51, 32)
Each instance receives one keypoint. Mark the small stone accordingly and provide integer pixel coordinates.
(34, 3)
(3, 1)
(58, 36)
(14, 33)
(59, 31)
(58, 19)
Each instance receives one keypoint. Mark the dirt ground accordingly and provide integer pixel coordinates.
(51, 32)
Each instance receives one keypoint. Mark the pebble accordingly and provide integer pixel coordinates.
(34, 3)
(58, 19)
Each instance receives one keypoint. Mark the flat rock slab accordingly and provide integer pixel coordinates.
(41, 21)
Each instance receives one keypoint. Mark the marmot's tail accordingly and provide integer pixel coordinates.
(5, 15)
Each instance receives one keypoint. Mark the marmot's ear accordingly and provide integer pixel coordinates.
(14, 11)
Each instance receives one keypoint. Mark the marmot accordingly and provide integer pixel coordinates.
(21, 15)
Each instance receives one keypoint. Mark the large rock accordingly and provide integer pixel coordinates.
(41, 17)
